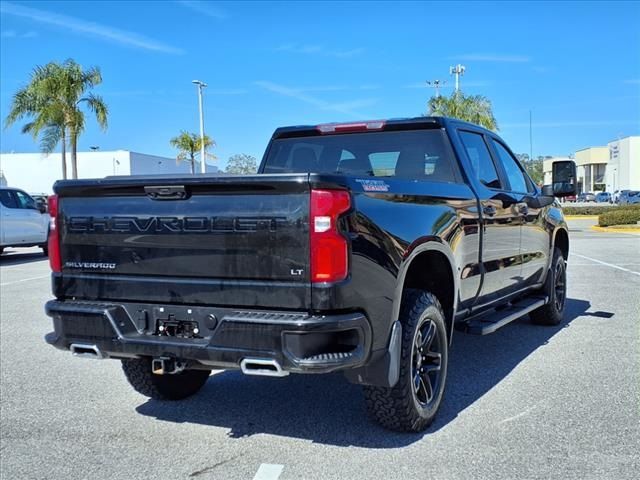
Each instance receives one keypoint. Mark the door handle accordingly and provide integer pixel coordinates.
(489, 210)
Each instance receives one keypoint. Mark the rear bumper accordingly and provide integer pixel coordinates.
(299, 342)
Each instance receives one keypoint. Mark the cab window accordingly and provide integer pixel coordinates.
(516, 177)
(481, 162)
(8, 199)
(25, 201)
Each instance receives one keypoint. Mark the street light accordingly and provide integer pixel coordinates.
(201, 85)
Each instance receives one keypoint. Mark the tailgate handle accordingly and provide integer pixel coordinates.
(169, 192)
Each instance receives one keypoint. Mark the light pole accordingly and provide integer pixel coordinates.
(201, 85)
(437, 84)
(458, 70)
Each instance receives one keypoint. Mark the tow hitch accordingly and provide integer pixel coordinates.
(167, 366)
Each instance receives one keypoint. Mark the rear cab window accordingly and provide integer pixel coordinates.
(423, 155)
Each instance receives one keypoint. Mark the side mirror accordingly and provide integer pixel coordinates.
(41, 206)
(563, 179)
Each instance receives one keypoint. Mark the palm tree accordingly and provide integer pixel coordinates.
(36, 100)
(189, 146)
(471, 108)
(53, 100)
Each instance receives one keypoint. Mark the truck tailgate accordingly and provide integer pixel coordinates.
(209, 240)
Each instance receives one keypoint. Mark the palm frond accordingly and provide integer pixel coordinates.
(50, 138)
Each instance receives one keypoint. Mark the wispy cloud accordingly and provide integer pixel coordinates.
(319, 50)
(14, 34)
(205, 8)
(87, 28)
(491, 57)
(370, 87)
(347, 108)
(633, 81)
(540, 69)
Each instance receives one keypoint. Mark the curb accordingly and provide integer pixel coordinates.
(630, 230)
(581, 217)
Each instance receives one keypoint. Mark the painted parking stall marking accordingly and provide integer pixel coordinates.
(268, 471)
(607, 264)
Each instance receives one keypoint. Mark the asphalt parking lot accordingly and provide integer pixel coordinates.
(526, 402)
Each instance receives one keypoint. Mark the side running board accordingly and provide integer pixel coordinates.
(490, 322)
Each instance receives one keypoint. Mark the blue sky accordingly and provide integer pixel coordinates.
(575, 65)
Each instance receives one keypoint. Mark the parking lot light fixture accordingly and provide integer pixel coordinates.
(200, 84)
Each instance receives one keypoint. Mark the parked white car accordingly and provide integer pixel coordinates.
(23, 223)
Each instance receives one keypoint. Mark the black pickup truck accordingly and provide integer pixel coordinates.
(357, 248)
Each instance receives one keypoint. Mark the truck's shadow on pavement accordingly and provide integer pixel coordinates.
(327, 409)
(21, 258)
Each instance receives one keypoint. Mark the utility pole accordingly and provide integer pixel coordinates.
(201, 85)
(436, 84)
(530, 137)
(458, 70)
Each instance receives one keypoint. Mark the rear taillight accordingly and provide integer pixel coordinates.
(54, 235)
(329, 249)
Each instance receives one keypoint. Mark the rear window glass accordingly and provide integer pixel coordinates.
(411, 154)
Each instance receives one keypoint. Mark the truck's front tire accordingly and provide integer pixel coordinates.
(162, 387)
(411, 405)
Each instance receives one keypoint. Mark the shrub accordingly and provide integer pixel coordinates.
(597, 210)
(620, 216)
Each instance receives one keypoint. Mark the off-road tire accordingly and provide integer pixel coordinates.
(162, 387)
(399, 408)
(556, 288)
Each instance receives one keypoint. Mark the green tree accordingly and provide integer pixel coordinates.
(470, 108)
(535, 170)
(53, 101)
(188, 145)
(242, 164)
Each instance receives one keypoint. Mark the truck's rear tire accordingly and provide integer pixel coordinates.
(556, 288)
(162, 387)
(411, 405)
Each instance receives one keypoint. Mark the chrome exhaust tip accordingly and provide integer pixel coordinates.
(87, 351)
(265, 367)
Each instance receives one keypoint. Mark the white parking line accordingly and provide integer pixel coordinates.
(268, 471)
(24, 280)
(511, 419)
(607, 264)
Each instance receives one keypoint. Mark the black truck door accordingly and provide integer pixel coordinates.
(501, 221)
(534, 243)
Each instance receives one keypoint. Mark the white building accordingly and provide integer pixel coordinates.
(591, 168)
(610, 168)
(623, 167)
(36, 172)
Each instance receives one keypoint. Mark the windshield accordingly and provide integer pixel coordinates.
(410, 154)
